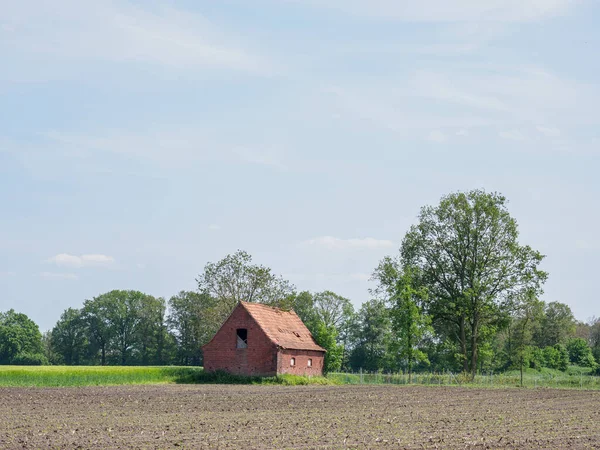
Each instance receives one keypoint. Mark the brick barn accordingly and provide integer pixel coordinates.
(259, 340)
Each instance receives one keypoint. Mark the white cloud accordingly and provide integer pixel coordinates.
(333, 243)
(549, 132)
(450, 11)
(94, 260)
(512, 135)
(462, 133)
(152, 151)
(119, 31)
(58, 276)
(437, 136)
(214, 227)
(263, 157)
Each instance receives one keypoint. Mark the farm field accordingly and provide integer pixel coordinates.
(246, 416)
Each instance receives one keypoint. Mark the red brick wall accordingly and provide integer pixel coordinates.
(260, 358)
(301, 366)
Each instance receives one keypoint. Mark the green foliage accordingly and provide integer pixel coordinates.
(29, 359)
(326, 337)
(580, 353)
(192, 323)
(235, 278)
(556, 357)
(557, 325)
(68, 338)
(48, 376)
(20, 339)
(467, 251)
(372, 337)
(220, 377)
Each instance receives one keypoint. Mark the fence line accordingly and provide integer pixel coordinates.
(541, 380)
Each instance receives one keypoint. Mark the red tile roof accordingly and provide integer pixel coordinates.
(284, 328)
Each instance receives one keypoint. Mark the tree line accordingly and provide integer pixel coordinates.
(463, 294)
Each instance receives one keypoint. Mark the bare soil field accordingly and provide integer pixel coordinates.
(217, 416)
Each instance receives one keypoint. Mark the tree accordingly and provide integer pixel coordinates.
(94, 316)
(595, 337)
(372, 337)
(235, 279)
(190, 319)
(558, 325)
(580, 353)
(332, 309)
(556, 357)
(326, 337)
(409, 323)
(20, 340)
(152, 340)
(467, 251)
(122, 324)
(529, 311)
(68, 338)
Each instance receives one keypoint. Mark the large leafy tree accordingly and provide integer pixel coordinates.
(69, 337)
(332, 309)
(527, 315)
(235, 278)
(467, 250)
(20, 339)
(327, 316)
(372, 337)
(153, 343)
(124, 325)
(191, 321)
(406, 295)
(557, 325)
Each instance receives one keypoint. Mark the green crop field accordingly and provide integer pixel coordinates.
(47, 376)
(56, 376)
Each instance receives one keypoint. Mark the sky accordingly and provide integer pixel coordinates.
(140, 140)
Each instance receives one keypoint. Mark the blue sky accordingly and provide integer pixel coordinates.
(140, 140)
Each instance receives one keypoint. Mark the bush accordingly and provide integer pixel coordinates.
(580, 353)
(556, 357)
(29, 359)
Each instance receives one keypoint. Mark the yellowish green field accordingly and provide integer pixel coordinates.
(49, 376)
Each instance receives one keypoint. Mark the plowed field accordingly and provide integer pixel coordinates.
(214, 416)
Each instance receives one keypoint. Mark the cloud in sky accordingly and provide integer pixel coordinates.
(122, 32)
(73, 261)
(451, 11)
(333, 243)
(437, 136)
(512, 135)
(58, 276)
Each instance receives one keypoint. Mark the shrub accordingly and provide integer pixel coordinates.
(556, 357)
(29, 359)
(580, 353)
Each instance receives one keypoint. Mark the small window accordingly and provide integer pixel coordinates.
(309, 362)
(293, 362)
(242, 338)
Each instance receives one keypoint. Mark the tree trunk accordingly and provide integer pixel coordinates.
(463, 345)
(103, 355)
(521, 370)
(474, 348)
(409, 354)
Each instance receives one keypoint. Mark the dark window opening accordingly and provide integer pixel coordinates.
(242, 338)
(293, 362)
(309, 362)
